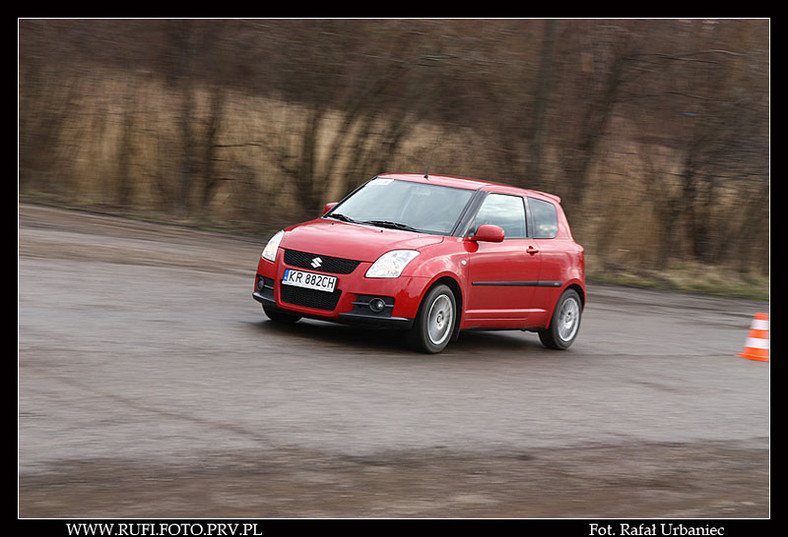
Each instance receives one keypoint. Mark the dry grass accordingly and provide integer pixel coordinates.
(618, 224)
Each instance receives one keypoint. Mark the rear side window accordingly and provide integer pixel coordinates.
(545, 219)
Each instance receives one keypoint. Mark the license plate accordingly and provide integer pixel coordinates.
(309, 280)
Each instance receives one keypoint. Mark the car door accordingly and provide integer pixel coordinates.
(502, 275)
(544, 230)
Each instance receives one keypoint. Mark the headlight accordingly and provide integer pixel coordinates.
(391, 264)
(269, 252)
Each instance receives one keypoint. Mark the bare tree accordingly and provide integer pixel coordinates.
(544, 86)
(609, 59)
(537, 100)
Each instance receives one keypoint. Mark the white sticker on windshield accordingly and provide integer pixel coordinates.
(381, 182)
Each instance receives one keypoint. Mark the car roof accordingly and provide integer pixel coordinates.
(468, 183)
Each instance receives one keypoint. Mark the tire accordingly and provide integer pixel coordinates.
(435, 321)
(565, 323)
(280, 316)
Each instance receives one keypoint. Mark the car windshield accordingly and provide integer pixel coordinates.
(418, 207)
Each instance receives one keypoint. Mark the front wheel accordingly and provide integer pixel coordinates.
(435, 321)
(565, 322)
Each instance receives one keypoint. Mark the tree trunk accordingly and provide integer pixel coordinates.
(541, 101)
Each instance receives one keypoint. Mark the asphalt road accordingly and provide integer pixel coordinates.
(152, 385)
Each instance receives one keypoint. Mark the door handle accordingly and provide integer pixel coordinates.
(531, 250)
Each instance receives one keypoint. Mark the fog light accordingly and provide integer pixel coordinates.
(377, 305)
(260, 284)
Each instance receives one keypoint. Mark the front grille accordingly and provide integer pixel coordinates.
(319, 300)
(327, 264)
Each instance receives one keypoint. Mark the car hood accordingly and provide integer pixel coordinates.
(352, 241)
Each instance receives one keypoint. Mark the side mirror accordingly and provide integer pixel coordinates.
(329, 206)
(488, 233)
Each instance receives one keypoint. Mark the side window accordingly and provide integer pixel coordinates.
(545, 219)
(507, 212)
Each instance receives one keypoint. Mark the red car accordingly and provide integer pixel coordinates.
(433, 255)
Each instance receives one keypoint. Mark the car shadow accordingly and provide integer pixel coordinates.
(339, 335)
(382, 340)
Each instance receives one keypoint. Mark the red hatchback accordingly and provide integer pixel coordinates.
(433, 255)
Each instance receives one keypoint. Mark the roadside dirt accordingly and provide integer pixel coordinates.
(683, 481)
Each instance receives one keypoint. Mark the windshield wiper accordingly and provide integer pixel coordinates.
(340, 216)
(379, 223)
(390, 224)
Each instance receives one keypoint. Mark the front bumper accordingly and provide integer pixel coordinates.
(355, 300)
(361, 314)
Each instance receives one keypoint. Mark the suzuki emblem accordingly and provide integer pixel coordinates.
(316, 262)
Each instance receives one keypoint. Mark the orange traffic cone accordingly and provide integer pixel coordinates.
(757, 345)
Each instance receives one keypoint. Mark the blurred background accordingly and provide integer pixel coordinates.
(655, 133)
